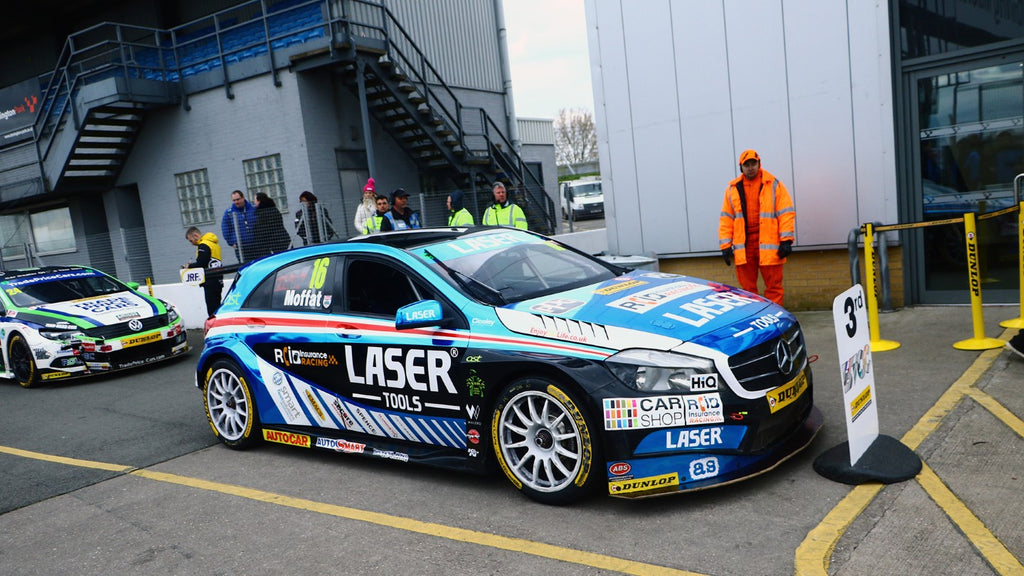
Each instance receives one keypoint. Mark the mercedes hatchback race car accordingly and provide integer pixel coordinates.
(62, 322)
(465, 347)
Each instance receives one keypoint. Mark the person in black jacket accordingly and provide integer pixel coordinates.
(309, 217)
(207, 258)
(270, 234)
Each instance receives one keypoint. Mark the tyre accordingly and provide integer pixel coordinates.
(229, 405)
(542, 442)
(23, 365)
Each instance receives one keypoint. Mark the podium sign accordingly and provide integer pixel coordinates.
(856, 370)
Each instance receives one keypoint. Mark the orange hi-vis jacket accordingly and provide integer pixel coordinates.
(777, 220)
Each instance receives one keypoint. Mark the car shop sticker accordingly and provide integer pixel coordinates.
(647, 412)
(643, 484)
(785, 395)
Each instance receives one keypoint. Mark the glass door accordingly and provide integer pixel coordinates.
(970, 129)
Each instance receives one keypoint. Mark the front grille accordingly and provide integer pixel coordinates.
(757, 368)
(122, 329)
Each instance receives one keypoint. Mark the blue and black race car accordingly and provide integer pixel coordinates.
(465, 348)
(61, 322)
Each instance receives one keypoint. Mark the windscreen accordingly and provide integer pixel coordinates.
(587, 190)
(512, 265)
(59, 287)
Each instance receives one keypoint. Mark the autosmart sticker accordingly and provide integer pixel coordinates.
(692, 439)
(662, 481)
(785, 395)
(340, 445)
(649, 412)
(704, 409)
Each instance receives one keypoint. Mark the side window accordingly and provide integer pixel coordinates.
(302, 286)
(374, 287)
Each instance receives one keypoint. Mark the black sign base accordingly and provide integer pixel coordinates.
(887, 461)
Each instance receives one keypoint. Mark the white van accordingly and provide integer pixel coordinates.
(585, 197)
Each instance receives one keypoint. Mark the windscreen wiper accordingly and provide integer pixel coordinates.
(472, 285)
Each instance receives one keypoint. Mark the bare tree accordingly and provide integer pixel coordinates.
(575, 136)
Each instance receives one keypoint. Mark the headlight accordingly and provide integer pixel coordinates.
(172, 315)
(655, 371)
(59, 334)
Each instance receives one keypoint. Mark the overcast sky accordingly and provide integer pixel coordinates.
(547, 48)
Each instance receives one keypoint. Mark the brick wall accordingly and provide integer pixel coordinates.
(812, 278)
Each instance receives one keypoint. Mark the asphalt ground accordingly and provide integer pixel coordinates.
(149, 492)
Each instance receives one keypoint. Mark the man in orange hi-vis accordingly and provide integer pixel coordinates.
(756, 227)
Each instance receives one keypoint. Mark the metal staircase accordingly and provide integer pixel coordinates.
(103, 144)
(94, 102)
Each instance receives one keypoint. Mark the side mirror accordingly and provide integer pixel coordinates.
(132, 285)
(420, 314)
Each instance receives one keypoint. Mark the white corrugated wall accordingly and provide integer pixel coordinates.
(681, 88)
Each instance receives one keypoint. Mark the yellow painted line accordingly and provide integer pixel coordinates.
(1001, 560)
(945, 404)
(998, 410)
(520, 545)
(64, 460)
(815, 552)
(428, 528)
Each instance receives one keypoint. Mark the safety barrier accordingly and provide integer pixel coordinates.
(978, 341)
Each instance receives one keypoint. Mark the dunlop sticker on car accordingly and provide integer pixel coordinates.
(138, 340)
(643, 484)
(785, 395)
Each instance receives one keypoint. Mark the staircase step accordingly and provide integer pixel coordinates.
(125, 122)
(103, 156)
(100, 133)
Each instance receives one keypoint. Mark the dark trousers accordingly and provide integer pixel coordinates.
(212, 290)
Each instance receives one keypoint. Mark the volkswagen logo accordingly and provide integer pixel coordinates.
(136, 325)
(783, 356)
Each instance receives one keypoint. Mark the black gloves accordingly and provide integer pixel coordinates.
(727, 256)
(785, 248)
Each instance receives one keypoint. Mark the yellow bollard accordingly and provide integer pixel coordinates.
(149, 284)
(1018, 322)
(979, 341)
(877, 344)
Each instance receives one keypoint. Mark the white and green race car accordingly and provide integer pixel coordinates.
(68, 321)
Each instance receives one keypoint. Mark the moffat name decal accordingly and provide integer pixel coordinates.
(415, 368)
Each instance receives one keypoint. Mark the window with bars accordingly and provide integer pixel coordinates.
(194, 198)
(266, 175)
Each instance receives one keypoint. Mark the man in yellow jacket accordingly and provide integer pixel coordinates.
(503, 212)
(756, 227)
